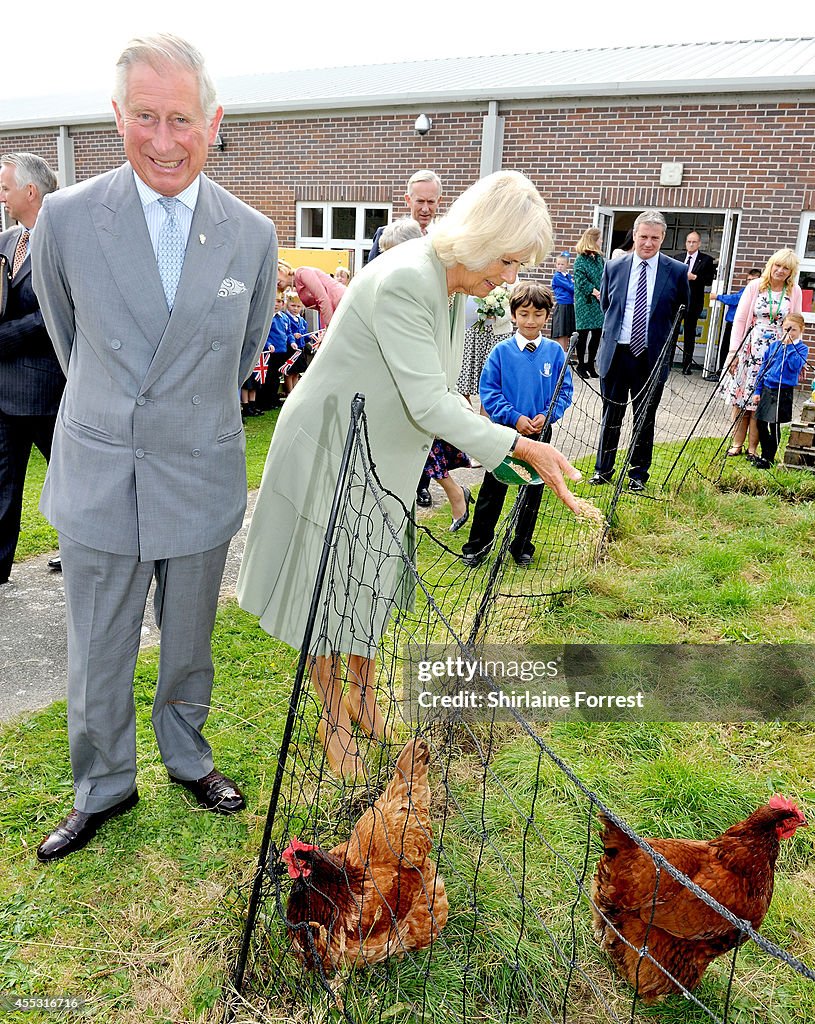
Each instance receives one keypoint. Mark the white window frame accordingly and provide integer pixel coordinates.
(358, 245)
(806, 264)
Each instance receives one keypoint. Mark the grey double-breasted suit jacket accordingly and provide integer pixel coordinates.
(148, 454)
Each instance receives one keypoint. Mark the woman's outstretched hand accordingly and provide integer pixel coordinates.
(551, 467)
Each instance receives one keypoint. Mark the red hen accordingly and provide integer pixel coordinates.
(379, 894)
(686, 935)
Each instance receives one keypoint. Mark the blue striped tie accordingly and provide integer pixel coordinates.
(639, 322)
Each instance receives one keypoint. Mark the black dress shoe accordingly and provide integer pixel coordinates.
(423, 499)
(475, 559)
(524, 560)
(636, 485)
(55, 563)
(687, 371)
(598, 479)
(215, 792)
(79, 828)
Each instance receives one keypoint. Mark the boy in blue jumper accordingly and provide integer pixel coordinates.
(777, 377)
(516, 389)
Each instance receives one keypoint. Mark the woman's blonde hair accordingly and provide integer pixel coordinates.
(784, 258)
(590, 242)
(284, 266)
(500, 214)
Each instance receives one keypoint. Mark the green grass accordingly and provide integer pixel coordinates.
(145, 924)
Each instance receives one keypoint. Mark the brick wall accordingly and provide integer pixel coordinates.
(751, 155)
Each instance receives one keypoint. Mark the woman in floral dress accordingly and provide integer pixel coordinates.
(759, 317)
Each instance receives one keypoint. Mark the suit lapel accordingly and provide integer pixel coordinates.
(211, 244)
(120, 226)
(660, 282)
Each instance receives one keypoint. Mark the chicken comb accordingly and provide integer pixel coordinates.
(779, 802)
(295, 847)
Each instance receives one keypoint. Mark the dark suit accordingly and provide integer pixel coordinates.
(621, 375)
(31, 384)
(375, 250)
(704, 268)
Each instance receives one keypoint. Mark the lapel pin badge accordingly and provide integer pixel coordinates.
(202, 239)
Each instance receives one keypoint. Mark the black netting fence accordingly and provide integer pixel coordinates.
(425, 866)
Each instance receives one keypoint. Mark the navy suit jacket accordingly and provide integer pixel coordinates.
(31, 380)
(670, 292)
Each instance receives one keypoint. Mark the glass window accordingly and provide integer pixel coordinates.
(375, 218)
(806, 254)
(311, 221)
(349, 226)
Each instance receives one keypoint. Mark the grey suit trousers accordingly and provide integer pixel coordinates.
(106, 596)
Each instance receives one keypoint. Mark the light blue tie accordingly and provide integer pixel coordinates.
(170, 250)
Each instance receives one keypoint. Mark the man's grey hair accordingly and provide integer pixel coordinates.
(30, 169)
(161, 52)
(423, 175)
(651, 217)
(399, 231)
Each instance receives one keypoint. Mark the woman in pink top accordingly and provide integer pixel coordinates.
(316, 289)
(759, 318)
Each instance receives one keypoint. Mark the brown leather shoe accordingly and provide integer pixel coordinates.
(215, 792)
(79, 828)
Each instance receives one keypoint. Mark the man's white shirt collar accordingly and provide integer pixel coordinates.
(189, 197)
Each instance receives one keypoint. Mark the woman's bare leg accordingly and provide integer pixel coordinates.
(361, 697)
(740, 418)
(335, 729)
(455, 495)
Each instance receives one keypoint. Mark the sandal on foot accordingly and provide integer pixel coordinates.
(735, 451)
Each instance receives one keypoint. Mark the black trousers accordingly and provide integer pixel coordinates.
(769, 436)
(488, 510)
(689, 336)
(724, 345)
(626, 377)
(18, 434)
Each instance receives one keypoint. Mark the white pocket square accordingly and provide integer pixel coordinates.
(230, 286)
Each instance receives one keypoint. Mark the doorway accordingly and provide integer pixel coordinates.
(718, 231)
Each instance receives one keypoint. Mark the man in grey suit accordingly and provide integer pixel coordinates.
(31, 380)
(157, 287)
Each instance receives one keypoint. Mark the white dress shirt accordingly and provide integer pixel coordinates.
(154, 212)
(651, 278)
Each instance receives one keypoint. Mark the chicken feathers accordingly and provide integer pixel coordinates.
(685, 935)
(379, 894)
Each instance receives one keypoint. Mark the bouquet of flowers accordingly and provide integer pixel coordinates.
(494, 306)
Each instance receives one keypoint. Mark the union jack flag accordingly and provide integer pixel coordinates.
(262, 367)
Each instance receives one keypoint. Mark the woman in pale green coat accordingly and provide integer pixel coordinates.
(397, 338)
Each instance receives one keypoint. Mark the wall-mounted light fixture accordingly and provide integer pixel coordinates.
(220, 142)
(422, 124)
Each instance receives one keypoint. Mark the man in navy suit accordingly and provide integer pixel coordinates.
(640, 294)
(701, 269)
(31, 381)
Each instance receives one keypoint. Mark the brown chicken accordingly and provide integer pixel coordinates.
(686, 935)
(379, 894)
